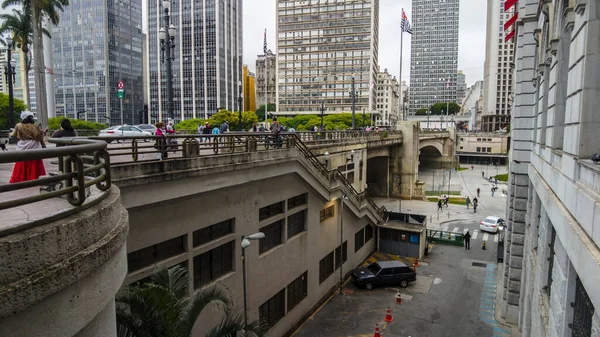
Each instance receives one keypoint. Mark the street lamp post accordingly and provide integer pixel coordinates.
(428, 113)
(167, 44)
(245, 243)
(322, 113)
(240, 105)
(353, 96)
(9, 71)
(344, 197)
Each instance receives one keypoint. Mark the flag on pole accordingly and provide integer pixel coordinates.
(265, 43)
(404, 24)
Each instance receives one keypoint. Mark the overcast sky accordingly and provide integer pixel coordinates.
(260, 14)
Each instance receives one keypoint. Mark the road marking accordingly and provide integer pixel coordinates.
(474, 236)
(485, 236)
(455, 230)
(496, 238)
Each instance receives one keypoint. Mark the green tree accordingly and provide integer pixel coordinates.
(162, 308)
(4, 110)
(40, 10)
(440, 108)
(78, 124)
(190, 124)
(260, 112)
(421, 112)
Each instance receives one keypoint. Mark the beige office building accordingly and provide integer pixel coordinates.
(387, 99)
(322, 48)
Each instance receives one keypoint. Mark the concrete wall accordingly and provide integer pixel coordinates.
(269, 272)
(60, 278)
(553, 188)
(485, 142)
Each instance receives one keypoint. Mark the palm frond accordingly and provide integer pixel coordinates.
(214, 293)
(230, 326)
(174, 279)
(14, 3)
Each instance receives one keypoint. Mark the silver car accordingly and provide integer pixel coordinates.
(491, 224)
(123, 131)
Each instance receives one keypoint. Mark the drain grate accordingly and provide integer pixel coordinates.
(479, 264)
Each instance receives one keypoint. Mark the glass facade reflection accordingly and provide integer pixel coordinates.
(208, 58)
(97, 44)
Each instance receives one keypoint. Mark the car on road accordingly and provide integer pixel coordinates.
(123, 131)
(384, 273)
(491, 223)
(147, 127)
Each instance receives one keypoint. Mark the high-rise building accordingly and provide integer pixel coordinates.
(404, 97)
(322, 48)
(472, 96)
(387, 99)
(96, 45)
(497, 77)
(434, 53)
(270, 88)
(207, 66)
(461, 86)
(3, 79)
(249, 90)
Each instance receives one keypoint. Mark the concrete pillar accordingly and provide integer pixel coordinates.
(404, 162)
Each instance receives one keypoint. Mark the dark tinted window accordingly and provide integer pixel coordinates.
(341, 252)
(213, 264)
(325, 267)
(297, 291)
(213, 232)
(272, 236)
(273, 309)
(271, 210)
(374, 268)
(359, 239)
(405, 270)
(297, 200)
(387, 271)
(296, 223)
(328, 212)
(155, 253)
(368, 233)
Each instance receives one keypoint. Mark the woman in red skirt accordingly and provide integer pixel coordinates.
(30, 137)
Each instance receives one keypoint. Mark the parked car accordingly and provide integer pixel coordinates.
(148, 128)
(491, 223)
(123, 131)
(385, 273)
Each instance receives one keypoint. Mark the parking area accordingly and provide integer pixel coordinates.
(453, 296)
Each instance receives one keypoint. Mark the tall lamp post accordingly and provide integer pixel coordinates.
(245, 243)
(9, 71)
(167, 44)
(322, 113)
(353, 97)
(240, 105)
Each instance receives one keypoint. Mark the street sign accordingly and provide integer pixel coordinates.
(121, 93)
(120, 85)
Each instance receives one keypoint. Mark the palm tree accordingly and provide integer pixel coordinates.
(40, 11)
(162, 308)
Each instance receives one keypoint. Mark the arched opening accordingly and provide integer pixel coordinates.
(436, 172)
(378, 176)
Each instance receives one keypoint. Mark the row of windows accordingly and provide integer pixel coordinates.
(279, 207)
(296, 224)
(333, 261)
(274, 309)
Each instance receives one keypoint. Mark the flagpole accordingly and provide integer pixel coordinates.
(266, 86)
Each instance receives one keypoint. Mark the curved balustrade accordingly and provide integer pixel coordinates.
(82, 163)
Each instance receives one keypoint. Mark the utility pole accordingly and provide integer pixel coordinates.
(167, 43)
(322, 112)
(240, 105)
(353, 95)
(9, 71)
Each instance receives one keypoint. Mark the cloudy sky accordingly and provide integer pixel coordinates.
(260, 14)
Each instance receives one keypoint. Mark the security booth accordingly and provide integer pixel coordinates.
(402, 234)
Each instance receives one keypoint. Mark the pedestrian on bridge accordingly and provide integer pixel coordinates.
(475, 201)
(439, 205)
(478, 190)
(468, 201)
(467, 238)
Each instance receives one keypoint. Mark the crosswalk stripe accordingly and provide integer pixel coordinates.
(474, 236)
(496, 238)
(485, 236)
(455, 230)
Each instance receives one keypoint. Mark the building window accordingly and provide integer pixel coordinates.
(155, 253)
(297, 291)
(550, 260)
(271, 210)
(328, 212)
(297, 201)
(478, 149)
(359, 239)
(272, 237)
(213, 264)
(325, 267)
(368, 233)
(582, 313)
(341, 252)
(296, 223)
(273, 309)
(489, 149)
(350, 177)
(213, 232)
(360, 171)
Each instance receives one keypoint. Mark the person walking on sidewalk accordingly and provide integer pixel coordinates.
(439, 205)
(493, 190)
(478, 190)
(468, 201)
(467, 238)
(446, 199)
(475, 205)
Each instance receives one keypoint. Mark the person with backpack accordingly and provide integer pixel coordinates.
(224, 127)
(276, 130)
(475, 201)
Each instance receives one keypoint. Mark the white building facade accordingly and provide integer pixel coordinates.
(552, 254)
(324, 49)
(497, 77)
(387, 99)
(472, 96)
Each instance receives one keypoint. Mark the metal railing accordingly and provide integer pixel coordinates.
(82, 163)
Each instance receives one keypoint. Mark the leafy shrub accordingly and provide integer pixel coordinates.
(78, 124)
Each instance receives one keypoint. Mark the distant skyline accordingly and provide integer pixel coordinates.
(260, 14)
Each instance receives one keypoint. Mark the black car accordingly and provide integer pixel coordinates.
(388, 273)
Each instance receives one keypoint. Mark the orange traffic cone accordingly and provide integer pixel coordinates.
(377, 334)
(388, 316)
(399, 298)
(416, 263)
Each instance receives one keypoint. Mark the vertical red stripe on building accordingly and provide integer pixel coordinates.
(509, 36)
(511, 21)
(508, 4)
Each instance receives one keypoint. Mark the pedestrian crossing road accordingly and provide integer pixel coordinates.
(475, 234)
